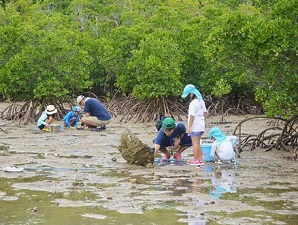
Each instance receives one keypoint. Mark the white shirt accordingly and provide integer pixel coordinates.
(197, 109)
(234, 140)
(224, 150)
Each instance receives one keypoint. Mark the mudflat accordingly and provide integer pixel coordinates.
(81, 177)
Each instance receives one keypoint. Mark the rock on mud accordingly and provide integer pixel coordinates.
(133, 150)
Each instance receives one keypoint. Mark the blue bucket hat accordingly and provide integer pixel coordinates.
(217, 134)
(190, 88)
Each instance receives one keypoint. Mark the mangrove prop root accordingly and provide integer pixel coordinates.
(31, 110)
(147, 111)
(283, 135)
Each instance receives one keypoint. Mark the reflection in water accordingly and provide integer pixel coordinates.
(194, 219)
(197, 218)
(222, 182)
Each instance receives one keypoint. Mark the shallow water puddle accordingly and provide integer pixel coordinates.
(120, 197)
(34, 207)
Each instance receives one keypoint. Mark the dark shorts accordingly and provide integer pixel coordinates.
(186, 141)
(41, 126)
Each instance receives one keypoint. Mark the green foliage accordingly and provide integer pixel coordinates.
(249, 49)
(221, 88)
(48, 63)
(151, 49)
(154, 69)
(276, 101)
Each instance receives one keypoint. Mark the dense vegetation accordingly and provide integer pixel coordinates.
(150, 49)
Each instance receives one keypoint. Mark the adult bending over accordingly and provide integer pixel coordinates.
(95, 114)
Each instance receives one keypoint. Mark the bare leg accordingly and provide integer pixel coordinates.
(94, 122)
(181, 149)
(197, 148)
(166, 152)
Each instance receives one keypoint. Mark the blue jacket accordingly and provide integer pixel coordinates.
(69, 117)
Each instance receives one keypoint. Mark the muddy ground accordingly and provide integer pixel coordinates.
(79, 177)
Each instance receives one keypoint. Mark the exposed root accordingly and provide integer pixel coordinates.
(146, 111)
(31, 110)
(4, 131)
(227, 107)
(294, 157)
(149, 110)
(277, 137)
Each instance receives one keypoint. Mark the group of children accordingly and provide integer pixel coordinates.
(95, 116)
(71, 119)
(176, 136)
(171, 134)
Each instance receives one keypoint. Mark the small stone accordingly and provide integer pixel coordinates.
(149, 165)
(114, 159)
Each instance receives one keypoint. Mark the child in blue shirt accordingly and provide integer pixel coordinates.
(72, 118)
(46, 118)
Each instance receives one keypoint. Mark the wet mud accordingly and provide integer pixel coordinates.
(79, 177)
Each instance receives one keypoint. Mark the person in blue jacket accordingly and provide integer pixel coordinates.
(72, 118)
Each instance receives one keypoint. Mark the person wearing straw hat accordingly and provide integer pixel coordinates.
(46, 118)
(95, 114)
(223, 147)
(172, 135)
(197, 114)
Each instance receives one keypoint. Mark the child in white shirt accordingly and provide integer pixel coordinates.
(197, 114)
(223, 146)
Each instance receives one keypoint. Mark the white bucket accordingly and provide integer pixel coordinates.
(55, 128)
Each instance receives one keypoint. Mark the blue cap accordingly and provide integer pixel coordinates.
(190, 88)
(76, 109)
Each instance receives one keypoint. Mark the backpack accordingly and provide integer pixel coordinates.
(158, 123)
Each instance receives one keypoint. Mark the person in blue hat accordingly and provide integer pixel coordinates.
(223, 147)
(197, 114)
(171, 134)
(72, 118)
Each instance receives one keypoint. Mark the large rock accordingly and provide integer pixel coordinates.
(134, 151)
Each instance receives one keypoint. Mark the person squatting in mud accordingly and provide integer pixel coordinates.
(95, 114)
(224, 148)
(171, 135)
(72, 118)
(46, 118)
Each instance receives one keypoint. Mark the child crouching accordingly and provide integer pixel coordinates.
(223, 147)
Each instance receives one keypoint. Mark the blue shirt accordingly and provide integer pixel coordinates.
(95, 108)
(42, 119)
(71, 117)
(164, 141)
